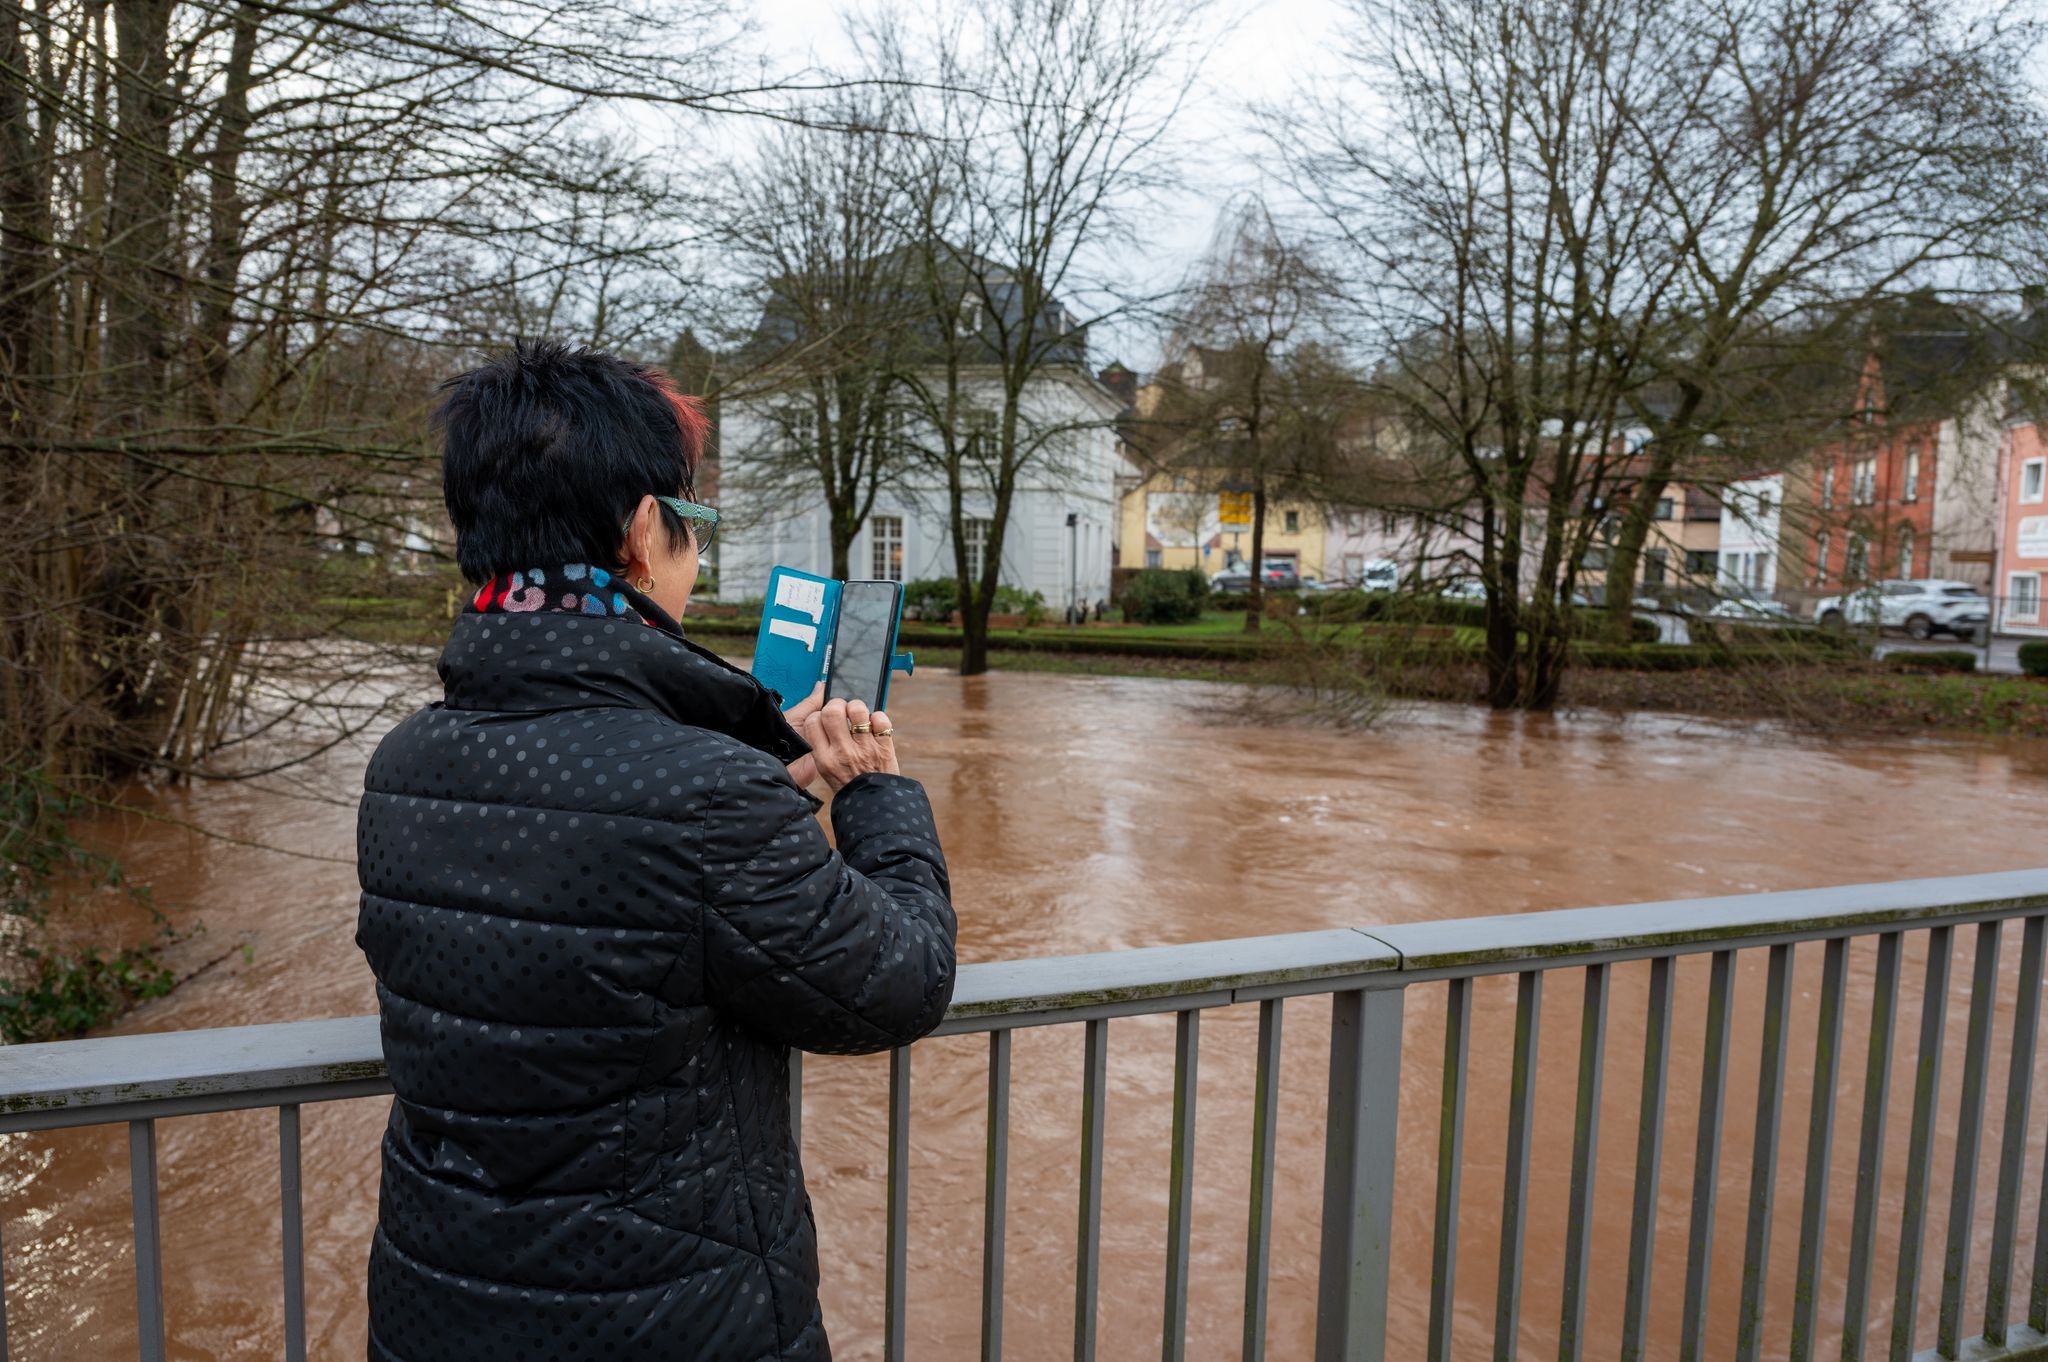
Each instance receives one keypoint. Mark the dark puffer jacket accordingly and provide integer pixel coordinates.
(598, 910)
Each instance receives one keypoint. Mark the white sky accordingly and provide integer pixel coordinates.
(1263, 51)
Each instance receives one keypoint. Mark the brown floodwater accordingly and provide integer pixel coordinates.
(1085, 814)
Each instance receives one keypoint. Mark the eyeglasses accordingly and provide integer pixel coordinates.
(701, 520)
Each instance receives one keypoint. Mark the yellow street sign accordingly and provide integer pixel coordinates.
(1234, 508)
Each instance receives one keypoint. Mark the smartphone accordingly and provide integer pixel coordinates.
(864, 642)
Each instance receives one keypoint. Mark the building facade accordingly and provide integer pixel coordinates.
(1061, 526)
(1174, 518)
(2022, 550)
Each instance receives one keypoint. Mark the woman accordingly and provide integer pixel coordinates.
(600, 909)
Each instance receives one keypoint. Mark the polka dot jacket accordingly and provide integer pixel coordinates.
(599, 913)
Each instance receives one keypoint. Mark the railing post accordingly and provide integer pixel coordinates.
(292, 1222)
(149, 1263)
(1088, 1252)
(1358, 1175)
(896, 1272)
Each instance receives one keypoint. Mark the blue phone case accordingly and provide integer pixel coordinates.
(799, 621)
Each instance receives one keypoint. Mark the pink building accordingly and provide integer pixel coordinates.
(2022, 552)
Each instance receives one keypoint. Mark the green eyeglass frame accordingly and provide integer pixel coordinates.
(702, 520)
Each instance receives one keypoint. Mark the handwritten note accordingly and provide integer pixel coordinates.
(804, 597)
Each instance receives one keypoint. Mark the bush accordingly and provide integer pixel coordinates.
(1784, 636)
(2034, 657)
(930, 598)
(1934, 660)
(1165, 596)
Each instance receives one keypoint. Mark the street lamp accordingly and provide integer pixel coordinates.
(1073, 567)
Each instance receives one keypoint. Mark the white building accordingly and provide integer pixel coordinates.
(906, 536)
(1751, 523)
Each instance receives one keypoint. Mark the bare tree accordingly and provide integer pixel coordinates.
(818, 223)
(1040, 128)
(1249, 398)
(1570, 221)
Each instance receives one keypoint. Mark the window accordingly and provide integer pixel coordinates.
(1863, 490)
(976, 534)
(1152, 559)
(1665, 509)
(1905, 550)
(1820, 559)
(800, 427)
(1653, 568)
(885, 548)
(1827, 488)
(1387, 522)
(1912, 491)
(1858, 566)
(1763, 505)
(1294, 522)
(2032, 474)
(1701, 562)
(978, 429)
(2024, 588)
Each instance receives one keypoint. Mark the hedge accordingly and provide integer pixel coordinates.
(1933, 660)
(2034, 657)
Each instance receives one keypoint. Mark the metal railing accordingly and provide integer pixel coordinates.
(1368, 974)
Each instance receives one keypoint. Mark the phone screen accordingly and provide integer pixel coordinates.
(865, 638)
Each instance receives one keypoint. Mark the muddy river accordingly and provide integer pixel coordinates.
(1085, 814)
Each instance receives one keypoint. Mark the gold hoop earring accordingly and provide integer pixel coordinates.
(643, 584)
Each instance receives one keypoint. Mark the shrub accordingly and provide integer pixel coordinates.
(1012, 600)
(930, 598)
(2034, 657)
(1165, 596)
(1230, 600)
(1784, 636)
(1933, 660)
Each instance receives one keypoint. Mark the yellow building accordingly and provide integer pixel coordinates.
(1175, 520)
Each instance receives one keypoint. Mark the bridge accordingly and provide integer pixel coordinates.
(1908, 931)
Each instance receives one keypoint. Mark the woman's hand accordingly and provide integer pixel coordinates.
(846, 740)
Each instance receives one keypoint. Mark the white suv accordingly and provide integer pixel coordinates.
(1923, 608)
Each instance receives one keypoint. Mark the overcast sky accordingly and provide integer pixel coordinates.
(1264, 49)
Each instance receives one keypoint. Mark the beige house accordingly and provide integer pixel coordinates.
(1176, 519)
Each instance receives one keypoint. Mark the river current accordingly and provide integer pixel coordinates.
(1088, 814)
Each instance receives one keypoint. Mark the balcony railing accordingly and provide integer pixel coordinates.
(143, 1079)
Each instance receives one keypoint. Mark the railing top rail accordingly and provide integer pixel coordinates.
(110, 1078)
(1624, 931)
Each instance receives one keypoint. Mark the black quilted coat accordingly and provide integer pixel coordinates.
(599, 911)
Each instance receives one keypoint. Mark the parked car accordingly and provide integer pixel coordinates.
(1378, 574)
(1923, 607)
(1231, 582)
(1743, 604)
(1463, 589)
(1281, 574)
(1309, 583)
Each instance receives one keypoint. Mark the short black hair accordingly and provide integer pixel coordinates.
(547, 448)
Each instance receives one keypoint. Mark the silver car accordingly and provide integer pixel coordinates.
(1922, 607)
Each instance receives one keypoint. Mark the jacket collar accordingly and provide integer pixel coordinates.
(553, 659)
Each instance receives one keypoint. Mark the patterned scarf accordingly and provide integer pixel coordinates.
(577, 589)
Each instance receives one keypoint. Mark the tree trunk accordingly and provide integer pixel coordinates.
(141, 262)
(26, 345)
(225, 247)
(1626, 553)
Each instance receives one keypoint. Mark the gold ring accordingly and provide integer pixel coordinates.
(886, 733)
(862, 728)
